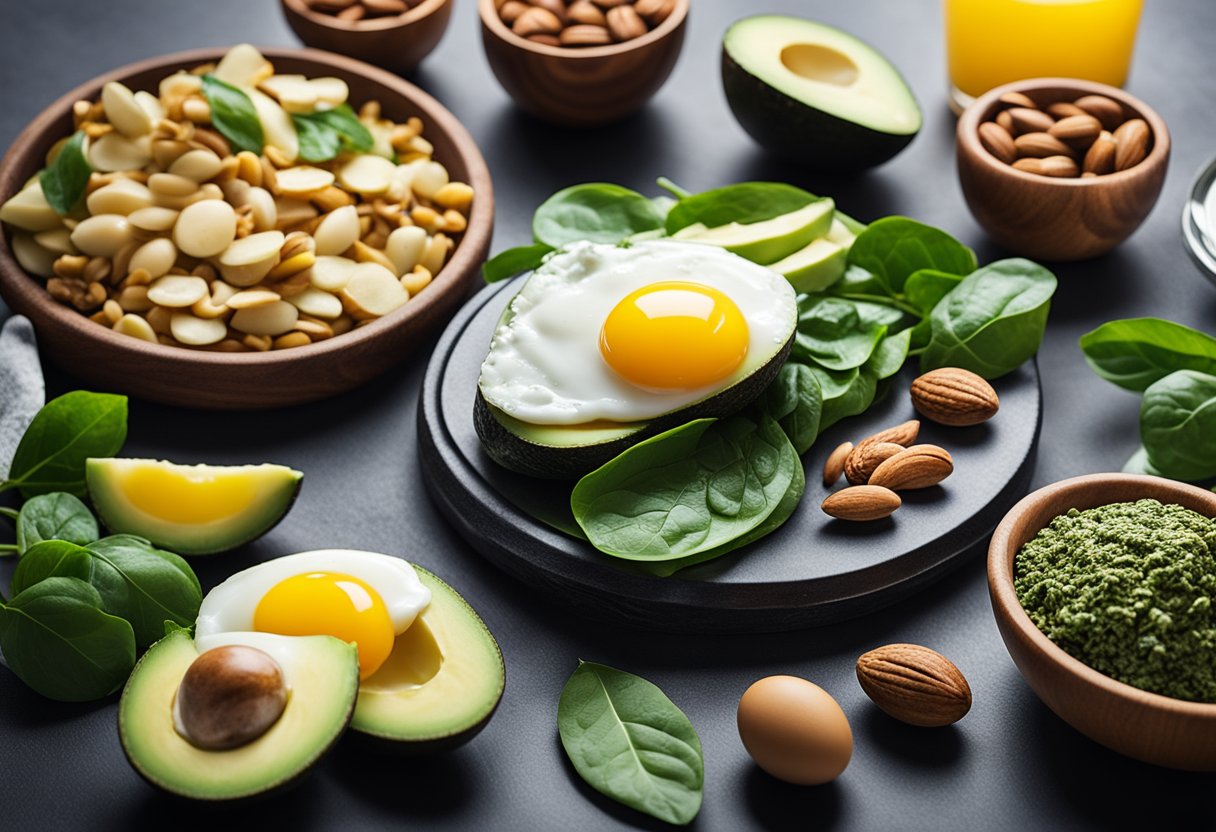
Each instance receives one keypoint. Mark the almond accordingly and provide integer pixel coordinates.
(1062, 110)
(1100, 158)
(953, 396)
(625, 24)
(921, 466)
(834, 466)
(915, 685)
(584, 11)
(862, 460)
(1005, 120)
(861, 502)
(1017, 99)
(1131, 143)
(536, 21)
(1029, 165)
(1041, 145)
(1076, 131)
(904, 434)
(1026, 120)
(1106, 110)
(1059, 166)
(655, 12)
(997, 141)
(585, 34)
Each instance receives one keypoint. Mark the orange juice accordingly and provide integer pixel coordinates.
(993, 42)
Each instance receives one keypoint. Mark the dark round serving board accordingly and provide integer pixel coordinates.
(813, 570)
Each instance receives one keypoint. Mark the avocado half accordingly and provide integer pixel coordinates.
(816, 95)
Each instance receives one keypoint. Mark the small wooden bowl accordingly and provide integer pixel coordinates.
(582, 86)
(397, 43)
(1058, 219)
(243, 381)
(1146, 726)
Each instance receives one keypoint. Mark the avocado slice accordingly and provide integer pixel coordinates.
(815, 94)
(770, 240)
(442, 682)
(322, 674)
(190, 509)
(821, 263)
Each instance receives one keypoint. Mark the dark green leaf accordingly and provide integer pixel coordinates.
(1178, 425)
(744, 203)
(845, 394)
(926, 287)
(55, 516)
(890, 355)
(49, 559)
(145, 585)
(66, 432)
(857, 281)
(599, 212)
(65, 179)
(58, 641)
(1137, 352)
(893, 248)
(325, 133)
(514, 261)
(233, 114)
(318, 142)
(796, 402)
(831, 333)
(628, 741)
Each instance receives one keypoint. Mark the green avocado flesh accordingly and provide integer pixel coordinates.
(323, 678)
(815, 94)
(191, 509)
(768, 241)
(821, 263)
(442, 682)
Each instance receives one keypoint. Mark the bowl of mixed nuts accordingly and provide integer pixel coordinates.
(1059, 168)
(235, 229)
(394, 34)
(582, 62)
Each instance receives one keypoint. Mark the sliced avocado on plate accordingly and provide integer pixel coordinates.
(768, 241)
(821, 263)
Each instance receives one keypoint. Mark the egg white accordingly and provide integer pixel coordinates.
(230, 606)
(544, 364)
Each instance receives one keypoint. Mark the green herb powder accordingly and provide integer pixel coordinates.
(1127, 589)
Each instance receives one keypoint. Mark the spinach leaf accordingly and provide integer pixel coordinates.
(58, 641)
(55, 516)
(1138, 463)
(233, 114)
(1137, 352)
(893, 248)
(67, 431)
(992, 321)
(325, 133)
(513, 261)
(831, 333)
(1178, 425)
(318, 142)
(926, 287)
(49, 559)
(795, 401)
(845, 394)
(690, 489)
(599, 212)
(744, 203)
(65, 179)
(857, 281)
(889, 356)
(144, 585)
(628, 741)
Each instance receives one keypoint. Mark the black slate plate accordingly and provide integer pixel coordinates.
(813, 570)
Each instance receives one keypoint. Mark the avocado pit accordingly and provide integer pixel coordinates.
(228, 697)
(816, 62)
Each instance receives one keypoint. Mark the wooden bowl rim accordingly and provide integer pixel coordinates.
(372, 24)
(493, 23)
(465, 257)
(1005, 604)
(978, 110)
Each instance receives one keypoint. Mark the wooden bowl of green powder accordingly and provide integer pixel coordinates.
(1104, 590)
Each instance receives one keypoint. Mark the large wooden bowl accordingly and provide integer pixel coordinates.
(583, 86)
(1146, 726)
(398, 43)
(1058, 219)
(239, 381)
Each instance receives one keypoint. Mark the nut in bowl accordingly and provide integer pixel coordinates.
(394, 34)
(1061, 169)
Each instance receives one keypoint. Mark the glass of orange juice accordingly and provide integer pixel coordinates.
(993, 42)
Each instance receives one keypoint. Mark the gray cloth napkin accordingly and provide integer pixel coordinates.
(22, 390)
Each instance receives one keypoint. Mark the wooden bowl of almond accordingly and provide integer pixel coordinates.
(1061, 169)
(582, 62)
(238, 229)
(394, 34)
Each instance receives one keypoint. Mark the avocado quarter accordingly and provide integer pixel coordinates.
(770, 240)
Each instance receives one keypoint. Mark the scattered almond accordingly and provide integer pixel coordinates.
(921, 466)
(914, 684)
(904, 434)
(862, 460)
(861, 503)
(833, 468)
(953, 396)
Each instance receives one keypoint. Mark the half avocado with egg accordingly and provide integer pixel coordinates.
(604, 346)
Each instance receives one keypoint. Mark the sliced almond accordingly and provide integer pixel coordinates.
(242, 65)
(136, 327)
(153, 218)
(171, 184)
(198, 165)
(366, 254)
(303, 180)
(29, 210)
(252, 298)
(102, 235)
(331, 92)
(318, 304)
(331, 274)
(155, 256)
(122, 196)
(177, 291)
(270, 319)
(338, 231)
(367, 174)
(405, 247)
(293, 92)
(372, 292)
(197, 332)
(116, 152)
(249, 259)
(124, 112)
(32, 257)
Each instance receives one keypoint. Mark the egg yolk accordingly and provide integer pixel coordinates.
(674, 335)
(329, 604)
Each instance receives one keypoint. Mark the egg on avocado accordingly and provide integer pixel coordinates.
(604, 346)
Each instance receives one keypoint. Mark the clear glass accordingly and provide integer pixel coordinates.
(993, 42)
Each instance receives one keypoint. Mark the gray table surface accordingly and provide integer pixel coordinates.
(1010, 764)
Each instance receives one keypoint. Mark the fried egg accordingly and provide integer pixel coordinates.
(601, 332)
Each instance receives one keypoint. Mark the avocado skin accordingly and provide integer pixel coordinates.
(519, 454)
(800, 133)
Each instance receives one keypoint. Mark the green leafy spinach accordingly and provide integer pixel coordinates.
(233, 114)
(65, 179)
(67, 431)
(1138, 352)
(55, 516)
(326, 133)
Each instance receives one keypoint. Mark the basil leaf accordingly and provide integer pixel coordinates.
(67, 431)
(1137, 352)
(318, 142)
(628, 741)
(831, 333)
(144, 585)
(893, 248)
(845, 394)
(1178, 425)
(326, 133)
(889, 356)
(55, 516)
(926, 287)
(992, 321)
(744, 203)
(65, 179)
(795, 401)
(58, 641)
(599, 212)
(233, 114)
(688, 490)
(514, 261)
(1138, 463)
(49, 559)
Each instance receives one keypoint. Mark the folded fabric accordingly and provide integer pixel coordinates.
(22, 389)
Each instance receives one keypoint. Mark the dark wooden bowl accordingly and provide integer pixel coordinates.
(397, 43)
(583, 86)
(242, 381)
(1146, 726)
(1058, 219)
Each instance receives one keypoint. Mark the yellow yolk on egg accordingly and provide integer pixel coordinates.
(329, 604)
(674, 335)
